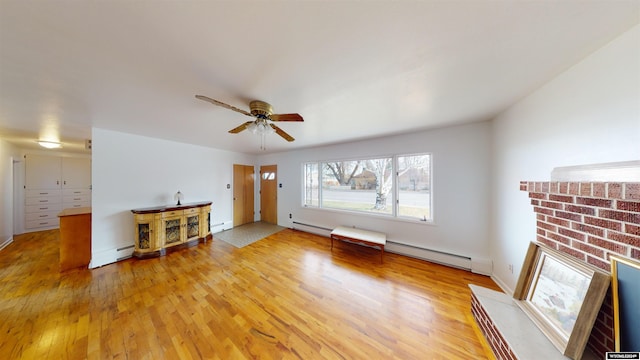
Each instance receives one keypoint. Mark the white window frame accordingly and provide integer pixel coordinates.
(395, 189)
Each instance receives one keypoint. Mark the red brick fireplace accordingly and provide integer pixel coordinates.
(589, 221)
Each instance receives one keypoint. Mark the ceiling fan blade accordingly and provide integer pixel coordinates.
(286, 117)
(241, 127)
(282, 133)
(220, 103)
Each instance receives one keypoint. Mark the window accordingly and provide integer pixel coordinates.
(397, 186)
(414, 186)
(310, 196)
(360, 185)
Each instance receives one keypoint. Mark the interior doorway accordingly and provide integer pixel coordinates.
(269, 194)
(18, 195)
(243, 194)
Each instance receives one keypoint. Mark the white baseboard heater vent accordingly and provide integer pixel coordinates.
(311, 226)
(440, 257)
(225, 225)
(129, 255)
(479, 266)
(110, 256)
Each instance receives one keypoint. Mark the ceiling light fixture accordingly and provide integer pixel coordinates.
(262, 128)
(49, 144)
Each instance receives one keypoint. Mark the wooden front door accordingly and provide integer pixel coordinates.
(269, 194)
(243, 197)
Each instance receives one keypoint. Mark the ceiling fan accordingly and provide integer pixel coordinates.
(263, 112)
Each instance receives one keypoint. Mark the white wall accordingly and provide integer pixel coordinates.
(461, 155)
(588, 114)
(8, 152)
(131, 171)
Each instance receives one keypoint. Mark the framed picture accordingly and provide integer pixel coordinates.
(562, 296)
(625, 288)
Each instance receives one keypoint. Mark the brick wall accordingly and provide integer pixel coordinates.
(500, 348)
(589, 221)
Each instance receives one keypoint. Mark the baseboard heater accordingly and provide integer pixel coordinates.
(110, 256)
(127, 256)
(221, 226)
(440, 257)
(312, 226)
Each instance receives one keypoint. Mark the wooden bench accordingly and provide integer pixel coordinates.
(359, 236)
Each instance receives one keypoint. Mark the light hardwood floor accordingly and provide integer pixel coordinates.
(284, 297)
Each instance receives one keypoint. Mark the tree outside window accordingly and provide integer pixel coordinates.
(414, 186)
(372, 186)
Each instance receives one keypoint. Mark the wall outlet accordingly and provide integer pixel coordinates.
(511, 268)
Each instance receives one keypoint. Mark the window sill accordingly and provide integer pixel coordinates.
(372, 215)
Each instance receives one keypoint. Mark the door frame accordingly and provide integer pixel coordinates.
(269, 194)
(244, 192)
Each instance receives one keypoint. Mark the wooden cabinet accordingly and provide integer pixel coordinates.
(75, 238)
(171, 228)
(192, 223)
(145, 239)
(159, 229)
(54, 183)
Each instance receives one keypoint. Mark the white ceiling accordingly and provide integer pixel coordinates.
(353, 69)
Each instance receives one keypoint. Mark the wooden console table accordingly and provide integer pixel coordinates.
(164, 228)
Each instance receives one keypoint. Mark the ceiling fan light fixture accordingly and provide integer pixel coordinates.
(260, 127)
(253, 127)
(263, 114)
(268, 129)
(263, 128)
(49, 144)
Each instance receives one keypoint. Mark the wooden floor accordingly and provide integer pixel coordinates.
(285, 297)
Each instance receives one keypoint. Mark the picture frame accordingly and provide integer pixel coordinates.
(625, 291)
(562, 296)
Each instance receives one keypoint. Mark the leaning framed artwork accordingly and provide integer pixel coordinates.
(625, 289)
(562, 296)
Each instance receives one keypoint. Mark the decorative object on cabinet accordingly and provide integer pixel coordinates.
(562, 296)
(54, 183)
(625, 288)
(166, 228)
(178, 197)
